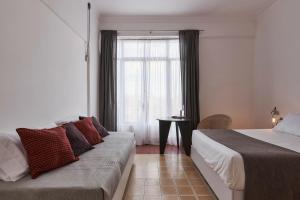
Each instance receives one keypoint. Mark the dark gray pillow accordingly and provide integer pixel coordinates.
(101, 130)
(77, 140)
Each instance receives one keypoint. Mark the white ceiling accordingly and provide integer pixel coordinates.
(182, 7)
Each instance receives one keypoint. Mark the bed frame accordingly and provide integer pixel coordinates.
(124, 178)
(213, 179)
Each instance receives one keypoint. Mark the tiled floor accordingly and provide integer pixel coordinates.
(154, 149)
(167, 177)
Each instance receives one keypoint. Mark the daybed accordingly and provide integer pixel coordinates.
(100, 174)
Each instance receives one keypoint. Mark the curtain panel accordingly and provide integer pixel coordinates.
(149, 86)
(108, 80)
(189, 62)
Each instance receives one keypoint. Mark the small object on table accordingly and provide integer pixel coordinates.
(178, 117)
(185, 128)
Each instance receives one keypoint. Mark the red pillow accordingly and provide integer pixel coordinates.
(46, 149)
(89, 131)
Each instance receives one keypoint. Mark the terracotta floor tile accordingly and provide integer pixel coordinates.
(205, 198)
(168, 190)
(152, 181)
(181, 182)
(185, 190)
(203, 190)
(188, 198)
(180, 176)
(193, 175)
(163, 169)
(163, 164)
(136, 191)
(186, 164)
(197, 182)
(152, 197)
(136, 182)
(166, 181)
(188, 168)
(145, 175)
(134, 197)
(165, 175)
(135, 187)
(152, 190)
(170, 197)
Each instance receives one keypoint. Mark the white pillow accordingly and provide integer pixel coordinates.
(13, 160)
(290, 124)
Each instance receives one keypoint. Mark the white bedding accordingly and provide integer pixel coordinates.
(229, 163)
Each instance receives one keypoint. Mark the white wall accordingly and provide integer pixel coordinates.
(94, 60)
(226, 66)
(43, 75)
(277, 65)
(226, 60)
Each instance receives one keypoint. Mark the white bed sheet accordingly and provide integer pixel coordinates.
(229, 163)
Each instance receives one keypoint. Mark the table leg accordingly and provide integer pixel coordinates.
(186, 135)
(177, 136)
(164, 128)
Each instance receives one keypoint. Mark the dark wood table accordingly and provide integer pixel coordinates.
(185, 127)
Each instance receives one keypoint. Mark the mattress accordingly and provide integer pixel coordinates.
(95, 176)
(227, 163)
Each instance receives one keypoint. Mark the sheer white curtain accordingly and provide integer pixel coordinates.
(149, 86)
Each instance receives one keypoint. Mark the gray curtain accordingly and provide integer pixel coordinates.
(108, 80)
(189, 61)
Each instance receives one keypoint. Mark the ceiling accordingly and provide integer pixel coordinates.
(182, 7)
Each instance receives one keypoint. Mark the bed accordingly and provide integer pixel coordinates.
(223, 168)
(100, 174)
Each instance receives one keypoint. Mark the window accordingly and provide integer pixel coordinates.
(149, 86)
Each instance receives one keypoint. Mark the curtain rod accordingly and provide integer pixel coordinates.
(145, 39)
(156, 30)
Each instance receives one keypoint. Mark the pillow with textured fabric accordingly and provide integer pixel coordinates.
(101, 130)
(78, 142)
(89, 131)
(46, 149)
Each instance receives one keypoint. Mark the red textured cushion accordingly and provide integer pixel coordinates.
(101, 130)
(46, 149)
(89, 131)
